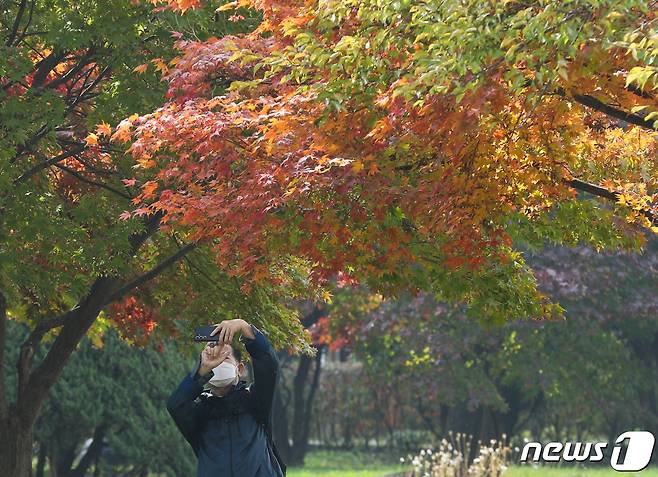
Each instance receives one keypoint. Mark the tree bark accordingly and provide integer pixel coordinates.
(280, 419)
(15, 447)
(299, 417)
(302, 447)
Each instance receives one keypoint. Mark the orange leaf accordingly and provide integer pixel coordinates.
(141, 68)
(103, 129)
(91, 139)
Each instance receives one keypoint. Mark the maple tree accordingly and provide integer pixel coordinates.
(68, 265)
(409, 145)
(404, 145)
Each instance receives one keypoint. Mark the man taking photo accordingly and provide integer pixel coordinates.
(229, 426)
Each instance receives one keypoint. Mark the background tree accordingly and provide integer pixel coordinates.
(298, 386)
(110, 394)
(588, 377)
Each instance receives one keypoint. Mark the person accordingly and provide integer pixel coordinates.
(229, 425)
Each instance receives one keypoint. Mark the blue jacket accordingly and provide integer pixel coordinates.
(228, 434)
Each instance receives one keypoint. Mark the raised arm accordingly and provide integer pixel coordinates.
(181, 404)
(264, 361)
(266, 370)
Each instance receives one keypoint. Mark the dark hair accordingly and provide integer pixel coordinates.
(237, 353)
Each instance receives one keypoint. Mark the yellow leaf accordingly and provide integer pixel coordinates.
(357, 166)
(160, 65)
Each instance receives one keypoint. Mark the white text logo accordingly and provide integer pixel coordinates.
(638, 453)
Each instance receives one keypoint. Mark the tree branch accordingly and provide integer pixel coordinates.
(154, 272)
(29, 346)
(17, 22)
(27, 145)
(47, 163)
(102, 185)
(75, 324)
(598, 105)
(84, 60)
(35, 388)
(45, 66)
(84, 91)
(606, 194)
(151, 225)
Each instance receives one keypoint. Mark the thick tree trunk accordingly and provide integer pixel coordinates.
(34, 382)
(15, 447)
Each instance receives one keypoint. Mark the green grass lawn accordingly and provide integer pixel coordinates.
(323, 463)
(570, 472)
(345, 464)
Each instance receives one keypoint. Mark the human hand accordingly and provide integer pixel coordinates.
(227, 329)
(212, 356)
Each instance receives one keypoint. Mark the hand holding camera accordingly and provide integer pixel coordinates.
(226, 330)
(215, 336)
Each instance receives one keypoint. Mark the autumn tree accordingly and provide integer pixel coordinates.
(403, 145)
(67, 71)
(408, 145)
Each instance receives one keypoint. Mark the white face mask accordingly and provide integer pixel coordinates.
(224, 374)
